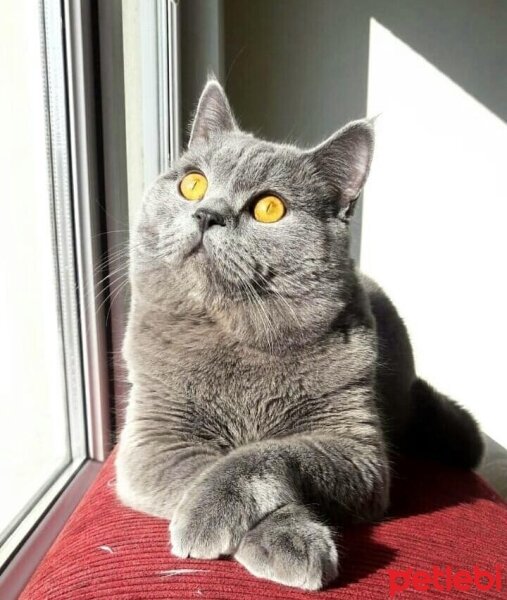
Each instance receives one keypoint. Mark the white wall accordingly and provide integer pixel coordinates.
(434, 224)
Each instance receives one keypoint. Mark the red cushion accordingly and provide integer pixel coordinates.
(440, 517)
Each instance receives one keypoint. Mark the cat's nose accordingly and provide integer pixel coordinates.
(206, 218)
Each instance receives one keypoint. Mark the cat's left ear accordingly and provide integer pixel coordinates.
(345, 160)
(213, 114)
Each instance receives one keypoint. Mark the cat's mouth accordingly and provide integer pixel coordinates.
(196, 247)
(222, 268)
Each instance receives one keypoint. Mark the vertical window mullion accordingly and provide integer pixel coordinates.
(61, 197)
(87, 206)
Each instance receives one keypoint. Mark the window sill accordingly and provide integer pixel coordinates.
(18, 571)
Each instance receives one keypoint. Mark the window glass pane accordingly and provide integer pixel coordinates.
(35, 433)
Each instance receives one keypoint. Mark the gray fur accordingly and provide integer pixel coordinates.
(268, 377)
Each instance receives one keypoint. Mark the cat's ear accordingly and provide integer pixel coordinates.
(345, 160)
(213, 114)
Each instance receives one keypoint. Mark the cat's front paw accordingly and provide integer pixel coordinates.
(290, 547)
(207, 523)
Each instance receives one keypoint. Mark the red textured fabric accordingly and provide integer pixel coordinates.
(439, 517)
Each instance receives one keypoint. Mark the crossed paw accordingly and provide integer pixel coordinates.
(288, 545)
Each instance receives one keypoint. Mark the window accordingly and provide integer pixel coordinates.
(89, 116)
(53, 373)
(41, 403)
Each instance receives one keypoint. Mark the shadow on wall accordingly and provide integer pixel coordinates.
(299, 69)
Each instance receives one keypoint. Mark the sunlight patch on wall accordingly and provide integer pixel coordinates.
(435, 222)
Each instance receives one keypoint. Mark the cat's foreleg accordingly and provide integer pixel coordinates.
(153, 470)
(243, 488)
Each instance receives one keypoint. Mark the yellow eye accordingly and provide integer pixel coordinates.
(269, 209)
(193, 186)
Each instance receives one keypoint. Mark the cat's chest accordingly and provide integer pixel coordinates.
(232, 398)
(229, 398)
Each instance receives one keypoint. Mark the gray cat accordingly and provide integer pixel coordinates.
(269, 378)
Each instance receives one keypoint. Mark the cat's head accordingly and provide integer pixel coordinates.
(250, 232)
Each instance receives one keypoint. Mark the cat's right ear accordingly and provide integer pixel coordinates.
(213, 114)
(345, 160)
